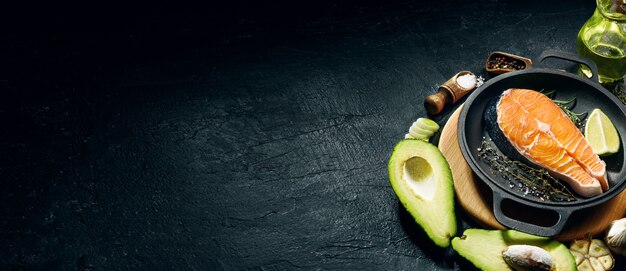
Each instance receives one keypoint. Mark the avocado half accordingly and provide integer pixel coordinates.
(421, 178)
(484, 248)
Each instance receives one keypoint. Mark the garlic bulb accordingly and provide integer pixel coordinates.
(616, 237)
(592, 255)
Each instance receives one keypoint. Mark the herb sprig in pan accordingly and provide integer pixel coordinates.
(526, 179)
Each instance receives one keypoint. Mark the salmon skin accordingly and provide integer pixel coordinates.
(528, 126)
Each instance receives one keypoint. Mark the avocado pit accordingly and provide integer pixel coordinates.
(418, 174)
(527, 257)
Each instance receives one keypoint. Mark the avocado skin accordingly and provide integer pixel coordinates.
(437, 216)
(484, 248)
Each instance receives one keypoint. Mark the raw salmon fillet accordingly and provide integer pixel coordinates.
(540, 131)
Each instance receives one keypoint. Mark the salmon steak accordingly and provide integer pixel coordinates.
(542, 133)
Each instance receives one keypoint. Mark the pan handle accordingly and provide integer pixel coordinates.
(522, 226)
(573, 58)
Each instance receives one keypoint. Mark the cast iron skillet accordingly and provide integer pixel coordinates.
(590, 94)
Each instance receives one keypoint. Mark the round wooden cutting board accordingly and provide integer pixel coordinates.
(476, 197)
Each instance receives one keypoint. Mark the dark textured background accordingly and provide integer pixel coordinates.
(235, 136)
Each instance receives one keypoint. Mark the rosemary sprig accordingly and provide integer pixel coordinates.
(550, 93)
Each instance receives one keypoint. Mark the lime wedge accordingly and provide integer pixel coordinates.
(601, 133)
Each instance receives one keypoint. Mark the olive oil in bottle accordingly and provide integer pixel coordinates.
(602, 39)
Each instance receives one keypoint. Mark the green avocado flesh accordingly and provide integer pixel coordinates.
(421, 178)
(484, 248)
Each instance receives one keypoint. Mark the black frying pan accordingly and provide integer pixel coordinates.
(589, 93)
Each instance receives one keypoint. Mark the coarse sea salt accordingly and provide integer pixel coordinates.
(466, 81)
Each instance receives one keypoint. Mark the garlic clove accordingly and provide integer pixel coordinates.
(585, 266)
(596, 264)
(598, 248)
(579, 257)
(607, 262)
(616, 236)
(581, 246)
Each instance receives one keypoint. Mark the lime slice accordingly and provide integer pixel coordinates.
(601, 133)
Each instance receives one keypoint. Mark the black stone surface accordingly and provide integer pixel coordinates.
(234, 136)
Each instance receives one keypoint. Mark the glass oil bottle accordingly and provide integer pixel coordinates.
(603, 40)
